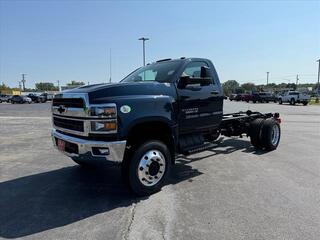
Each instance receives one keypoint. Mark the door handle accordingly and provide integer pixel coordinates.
(214, 92)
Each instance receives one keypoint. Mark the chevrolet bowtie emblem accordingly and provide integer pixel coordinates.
(61, 109)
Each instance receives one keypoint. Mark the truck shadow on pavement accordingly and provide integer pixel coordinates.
(52, 199)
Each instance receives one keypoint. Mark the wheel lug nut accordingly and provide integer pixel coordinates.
(141, 168)
(147, 173)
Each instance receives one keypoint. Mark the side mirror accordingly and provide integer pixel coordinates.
(184, 81)
(204, 72)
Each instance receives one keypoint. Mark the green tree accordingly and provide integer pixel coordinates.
(230, 86)
(248, 86)
(46, 86)
(4, 87)
(75, 83)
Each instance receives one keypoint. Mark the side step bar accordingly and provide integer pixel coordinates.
(200, 148)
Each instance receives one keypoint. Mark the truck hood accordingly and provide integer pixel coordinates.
(103, 93)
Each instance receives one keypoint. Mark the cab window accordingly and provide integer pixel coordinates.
(193, 70)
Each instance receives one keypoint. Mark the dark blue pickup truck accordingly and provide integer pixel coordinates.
(165, 108)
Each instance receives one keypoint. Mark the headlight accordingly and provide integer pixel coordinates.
(104, 111)
(103, 126)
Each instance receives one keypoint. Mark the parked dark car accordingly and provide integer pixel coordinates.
(20, 99)
(236, 97)
(5, 98)
(263, 97)
(246, 97)
(36, 98)
(47, 96)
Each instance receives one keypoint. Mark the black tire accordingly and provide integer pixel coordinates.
(82, 164)
(305, 103)
(255, 131)
(270, 134)
(0, 101)
(254, 101)
(267, 101)
(130, 167)
(292, 101)
(212, 137)
(280, 101)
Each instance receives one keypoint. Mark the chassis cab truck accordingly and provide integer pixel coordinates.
(165, 108)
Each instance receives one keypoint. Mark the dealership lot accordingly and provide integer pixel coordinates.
(228, 192)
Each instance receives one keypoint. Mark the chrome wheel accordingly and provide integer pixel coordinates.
(151, 168)
(275, 134)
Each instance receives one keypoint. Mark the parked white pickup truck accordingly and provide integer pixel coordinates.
(294, 97)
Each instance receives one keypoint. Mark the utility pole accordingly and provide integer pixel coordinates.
(318, 74)
(267, 78)
(143, 39)
(110, 66)
(59, 85)
(23, 81)
(297, 79)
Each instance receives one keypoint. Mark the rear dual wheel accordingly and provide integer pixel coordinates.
(265, 133)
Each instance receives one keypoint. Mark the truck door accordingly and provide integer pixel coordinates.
(200, 105)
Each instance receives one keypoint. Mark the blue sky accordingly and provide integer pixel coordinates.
(70, 40)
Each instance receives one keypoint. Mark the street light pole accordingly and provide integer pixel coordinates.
(143, 39)
(267, 78)
(318, 73)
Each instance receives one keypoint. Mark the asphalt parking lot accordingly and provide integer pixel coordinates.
(230, 192)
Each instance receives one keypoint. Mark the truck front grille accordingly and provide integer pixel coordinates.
(70, 124)
(68, 102)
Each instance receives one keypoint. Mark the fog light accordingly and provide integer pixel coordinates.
(100, 151)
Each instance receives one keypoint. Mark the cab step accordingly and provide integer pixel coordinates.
(200, 148)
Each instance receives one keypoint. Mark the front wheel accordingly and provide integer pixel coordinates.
(293, 101)
(149, 167)
(305, 103)
(280, 101)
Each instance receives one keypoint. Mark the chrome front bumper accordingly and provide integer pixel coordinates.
(88, 150)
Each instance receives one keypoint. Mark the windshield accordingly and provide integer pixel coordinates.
(160, 72)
